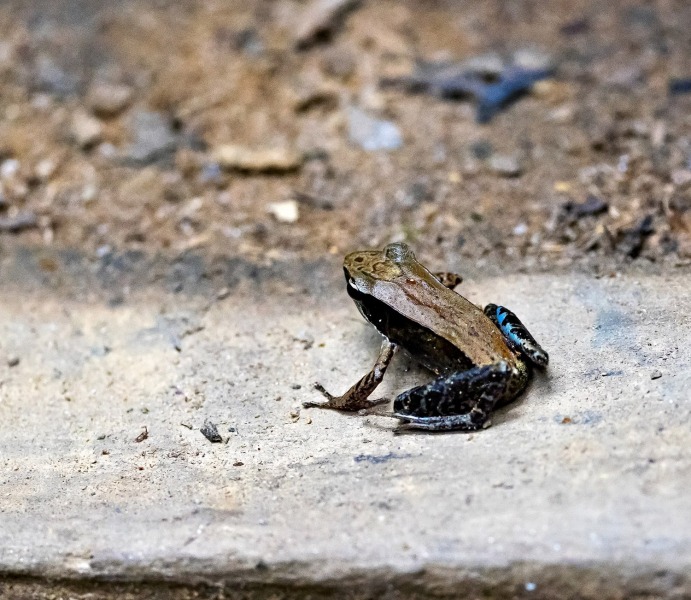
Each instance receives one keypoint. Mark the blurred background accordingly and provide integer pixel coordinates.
(502, 135)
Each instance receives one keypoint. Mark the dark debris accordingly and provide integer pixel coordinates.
(210, 432)
(142, 436)
(493, 90)
(632, 241)
(19, 222)
(593, 205)
(680, 86)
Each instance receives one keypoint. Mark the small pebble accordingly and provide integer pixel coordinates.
(9, 168)
(241, 158)
(285, 212)
(482, 149)
(153, 137)
(520, 229)
(372, 134)
(505, 165)
(210, 432)
(45, 169)
(656, 374)
(86, 130)
(108, 100)
(681, 177)
(12, 361)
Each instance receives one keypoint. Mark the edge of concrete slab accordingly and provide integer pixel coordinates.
(519, 580)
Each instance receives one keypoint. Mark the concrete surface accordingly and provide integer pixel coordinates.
(580, 488)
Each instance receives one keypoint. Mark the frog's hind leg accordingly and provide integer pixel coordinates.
(516, 334)
(449, 280)
(462, 401)
(356, 398)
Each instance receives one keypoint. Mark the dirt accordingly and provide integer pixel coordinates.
(113, 118)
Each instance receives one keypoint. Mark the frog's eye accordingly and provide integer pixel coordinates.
(398, 252)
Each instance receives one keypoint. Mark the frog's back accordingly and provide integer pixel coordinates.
(409, 289)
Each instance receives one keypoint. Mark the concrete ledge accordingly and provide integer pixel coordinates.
(580, 489)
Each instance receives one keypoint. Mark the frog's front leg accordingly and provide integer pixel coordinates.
(356, 398)
(516, 334)
(463, 400)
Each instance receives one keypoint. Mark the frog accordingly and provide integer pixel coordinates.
(482, 359)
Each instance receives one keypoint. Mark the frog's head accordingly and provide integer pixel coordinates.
(364, 268)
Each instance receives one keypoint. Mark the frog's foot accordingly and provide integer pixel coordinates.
(472, 421)
(449, 280)
(516, 334)
(343, 402)
(462, 401)
(356, 398)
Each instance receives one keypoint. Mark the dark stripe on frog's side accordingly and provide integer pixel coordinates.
(430, 350)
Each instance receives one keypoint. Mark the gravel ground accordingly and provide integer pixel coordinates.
(265, 130)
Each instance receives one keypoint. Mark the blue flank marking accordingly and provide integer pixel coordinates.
(508, 328)
(514, 337)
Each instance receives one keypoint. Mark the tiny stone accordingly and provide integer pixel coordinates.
(482, 149)
(12, 361)
(107, 100)
(530, 58)
(210, 432)
(241, 158)
(505, 165)
(656, 374)
(45, 169)
(86, 130)
(372, 134)
(9, 168)
(153, 138)
(681, 177)
(285, 212)
(520, 229)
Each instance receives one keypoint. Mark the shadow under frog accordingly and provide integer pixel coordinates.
(482, 359)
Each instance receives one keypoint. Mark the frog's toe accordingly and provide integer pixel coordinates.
(472, 421)
(314, 404)
(320, 388)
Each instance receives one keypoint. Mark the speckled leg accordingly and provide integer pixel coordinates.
(356, 398)
(449, 280)
(516, 335)
(461, 401)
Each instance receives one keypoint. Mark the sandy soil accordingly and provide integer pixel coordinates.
(115, 123)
